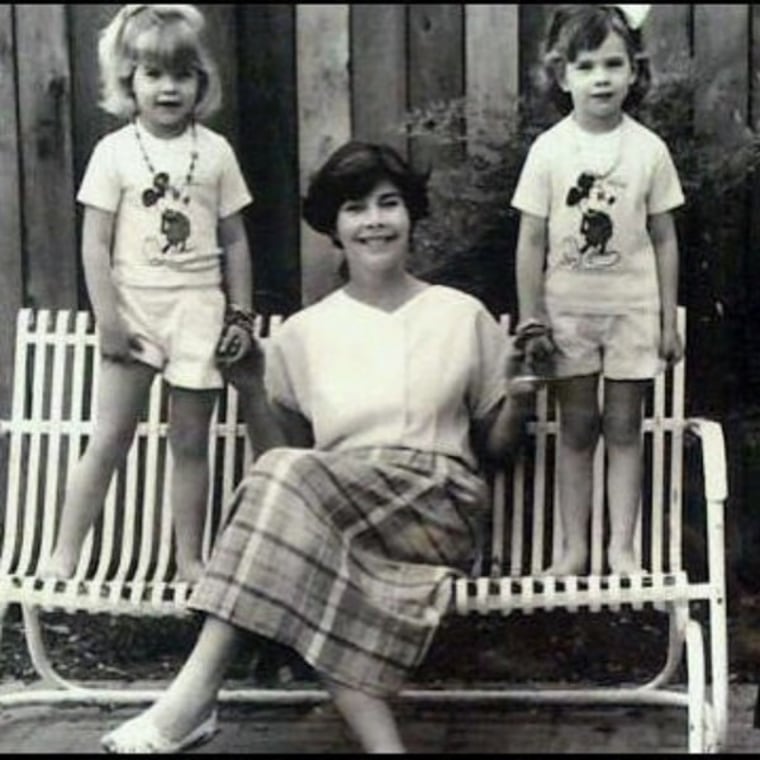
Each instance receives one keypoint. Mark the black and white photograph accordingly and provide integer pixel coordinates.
(379, 378)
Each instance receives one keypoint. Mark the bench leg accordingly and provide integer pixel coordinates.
(3, 610)
(38, 653)
(695, 654)
(677, 618)
(719, 667)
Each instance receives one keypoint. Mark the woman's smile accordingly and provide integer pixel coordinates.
(376, 240)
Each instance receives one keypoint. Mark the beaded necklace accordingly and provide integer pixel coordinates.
(161, 180)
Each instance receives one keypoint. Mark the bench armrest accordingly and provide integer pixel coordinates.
(710, 434)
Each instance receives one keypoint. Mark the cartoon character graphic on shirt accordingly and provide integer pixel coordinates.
(175, 225)
(594, 198)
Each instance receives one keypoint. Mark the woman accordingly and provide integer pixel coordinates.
(343, 543)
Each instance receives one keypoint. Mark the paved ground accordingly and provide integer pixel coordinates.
(434, 729)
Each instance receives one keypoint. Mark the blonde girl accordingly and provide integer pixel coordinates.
(166, 262)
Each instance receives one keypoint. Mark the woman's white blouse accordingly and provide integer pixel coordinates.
(415, 377)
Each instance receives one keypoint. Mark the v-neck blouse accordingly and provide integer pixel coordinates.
(413, 377)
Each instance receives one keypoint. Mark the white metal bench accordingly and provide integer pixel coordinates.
(127, 565)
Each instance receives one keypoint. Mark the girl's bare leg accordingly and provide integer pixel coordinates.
(623, 411)
(369, 717)
(191, 412)
(122, 390)
(579, 421)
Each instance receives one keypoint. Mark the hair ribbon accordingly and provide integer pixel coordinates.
(635, 15)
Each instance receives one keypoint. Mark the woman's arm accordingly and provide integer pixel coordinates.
(296, 428)
(500, 433)
(268, 423)
(662, 230)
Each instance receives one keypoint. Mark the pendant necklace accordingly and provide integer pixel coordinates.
(161, 180)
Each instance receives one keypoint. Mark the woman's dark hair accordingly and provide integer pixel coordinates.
(351, 172)
(575, 29)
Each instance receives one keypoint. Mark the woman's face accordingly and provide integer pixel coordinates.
(374, 230)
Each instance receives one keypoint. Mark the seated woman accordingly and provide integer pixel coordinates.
(342, 543)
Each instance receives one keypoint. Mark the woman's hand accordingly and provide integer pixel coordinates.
(671, 345)
(246, 372)
(530, 362)
(234, 344)
(468, 491)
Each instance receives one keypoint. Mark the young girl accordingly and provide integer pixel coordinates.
(166, 262)
(597, 264)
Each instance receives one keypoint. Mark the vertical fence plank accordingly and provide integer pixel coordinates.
(11, 284)
(667, 36)
(436, 67)
(721, 58)
(269, 151)
(46, 155)
(89, 121)
(492, 46)
(534, 20)
(221, 35)
(324, 120)
(378, 73)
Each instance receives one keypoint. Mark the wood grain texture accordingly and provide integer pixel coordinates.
(324, 119)
(378, 73)
(11, 282)
(46, 156)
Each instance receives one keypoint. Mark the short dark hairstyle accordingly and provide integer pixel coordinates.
(578, 28)
(351, 172)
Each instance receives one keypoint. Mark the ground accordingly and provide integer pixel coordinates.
(602, 647)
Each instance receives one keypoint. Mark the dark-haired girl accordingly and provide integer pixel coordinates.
(597, 264)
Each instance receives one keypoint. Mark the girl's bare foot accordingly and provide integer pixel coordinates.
(623, 562)
(58, 566)
(570, 563)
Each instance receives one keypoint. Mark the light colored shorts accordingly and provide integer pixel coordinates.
(618, 346)
(178, 330)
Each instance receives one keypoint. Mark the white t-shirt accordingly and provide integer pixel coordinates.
(159, 239)
(415, 377)
(596, 191)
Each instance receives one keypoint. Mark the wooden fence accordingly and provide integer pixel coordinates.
(301, 79)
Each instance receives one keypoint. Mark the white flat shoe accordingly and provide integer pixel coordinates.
(140, 736)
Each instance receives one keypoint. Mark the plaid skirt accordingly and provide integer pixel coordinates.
(346, 557)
